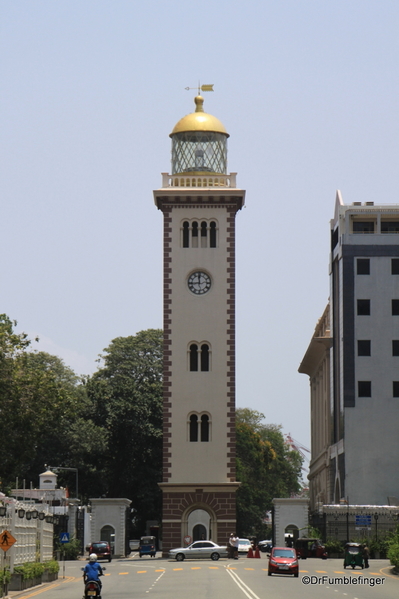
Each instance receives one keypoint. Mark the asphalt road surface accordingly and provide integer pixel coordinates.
(155, 578)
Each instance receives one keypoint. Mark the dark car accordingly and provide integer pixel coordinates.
(283, 560)
(102, 549)
(265, 546)
(310, 548)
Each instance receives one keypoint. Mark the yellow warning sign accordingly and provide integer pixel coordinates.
(6, 540)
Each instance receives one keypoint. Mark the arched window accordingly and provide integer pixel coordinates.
(194, 427)
(205, 427)
(199, 428)
(192, 232)
(204, 234)
(193, 357)
(199, 357)
(213, 235)
(204, 357)
(186, 234)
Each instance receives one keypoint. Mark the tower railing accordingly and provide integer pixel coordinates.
(187, 180)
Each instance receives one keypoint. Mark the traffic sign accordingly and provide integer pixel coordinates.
(6, 540)
(64, 537)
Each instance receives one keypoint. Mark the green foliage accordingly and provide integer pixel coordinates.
(266, 467)
(52, 566)
(381, 545)
(334, 546)
(71, 550)
(126, 394)
(5, 576)
(30, 570)
(393, 553)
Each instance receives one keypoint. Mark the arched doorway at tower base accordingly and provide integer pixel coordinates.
(199, 523)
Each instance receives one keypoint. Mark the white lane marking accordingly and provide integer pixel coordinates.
(247, 591)
(156, 580)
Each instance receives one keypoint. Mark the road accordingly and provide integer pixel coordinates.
(136, 578)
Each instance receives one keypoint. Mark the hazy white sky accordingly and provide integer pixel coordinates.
(91, 89)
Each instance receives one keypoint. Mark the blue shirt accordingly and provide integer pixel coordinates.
(93, 571)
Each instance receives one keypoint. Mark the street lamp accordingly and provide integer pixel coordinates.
(376, 530)
(3, 511)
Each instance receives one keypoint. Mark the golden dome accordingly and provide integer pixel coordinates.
(199, 121)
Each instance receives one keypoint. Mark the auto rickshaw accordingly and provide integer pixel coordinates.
(306, 547)
(148, 546)
(354, 555)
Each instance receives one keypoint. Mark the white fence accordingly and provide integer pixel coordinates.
(33, 533)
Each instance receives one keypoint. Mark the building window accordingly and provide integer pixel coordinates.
(204, 428)
(193, 428)
(363, 266)
(364, 347)
(395, 307)
(363, 226)
(204, 357)
(364, 388)
(395, 266)
(199, 357)
(389, 226)
(213, 234)
(199, 428)
(192, 232)
(186, 234)
(193, 357)
(363, 307)
(395, 347)
(395, 389)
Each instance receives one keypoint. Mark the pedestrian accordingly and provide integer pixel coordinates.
(236, 542)
(230, 546)
(366, 555)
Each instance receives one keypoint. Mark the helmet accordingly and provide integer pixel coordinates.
(93, 557)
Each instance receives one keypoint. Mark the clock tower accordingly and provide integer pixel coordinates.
(199, 201)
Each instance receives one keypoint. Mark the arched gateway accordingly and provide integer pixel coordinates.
(199, 201)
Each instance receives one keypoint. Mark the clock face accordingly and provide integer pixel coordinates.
(199, 282)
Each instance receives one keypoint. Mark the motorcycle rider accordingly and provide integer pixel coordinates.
(93, 571)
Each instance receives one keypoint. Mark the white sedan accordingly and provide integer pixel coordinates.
(244, 545)
(199, 550)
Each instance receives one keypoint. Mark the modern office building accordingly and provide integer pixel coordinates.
(353, 362)
(199, 201)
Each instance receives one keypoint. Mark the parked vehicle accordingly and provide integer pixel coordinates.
(354, 555)
(283, 560)
(199, 550)
(265, 546)
(147, 546)
(306, 547)
(244, 545)
(102, 549)
(134, 544)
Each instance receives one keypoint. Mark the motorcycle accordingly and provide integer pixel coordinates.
(92, 589)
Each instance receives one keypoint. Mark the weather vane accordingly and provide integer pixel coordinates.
(203, 88)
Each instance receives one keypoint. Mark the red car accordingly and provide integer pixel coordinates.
(283, 560)
(102, 549)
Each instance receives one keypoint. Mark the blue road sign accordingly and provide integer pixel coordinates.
(64, 537)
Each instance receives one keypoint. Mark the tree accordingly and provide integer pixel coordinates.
(266, 468)
(40, 401)
(126, 393)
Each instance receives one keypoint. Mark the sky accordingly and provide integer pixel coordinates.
(308, 91)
